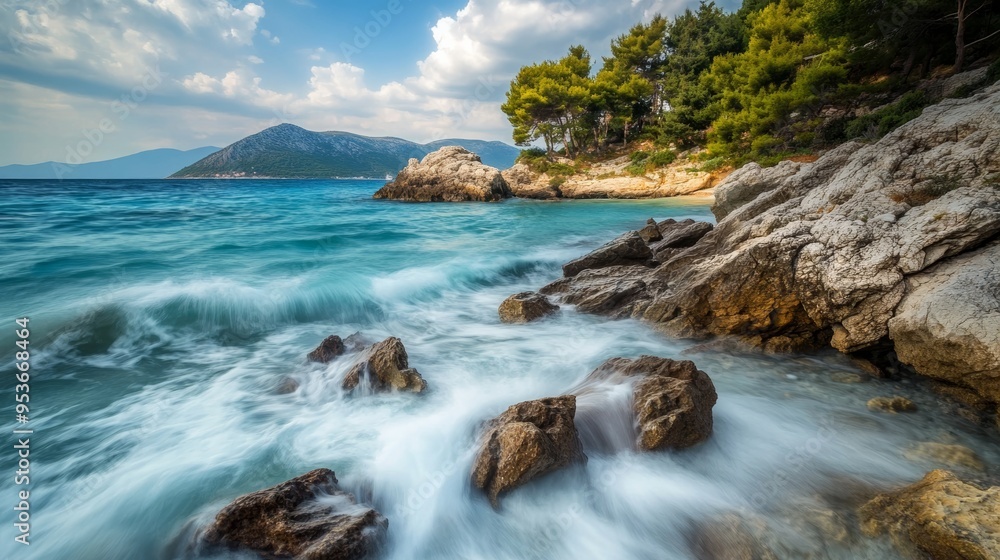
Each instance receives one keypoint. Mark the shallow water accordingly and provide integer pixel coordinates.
(164, 314)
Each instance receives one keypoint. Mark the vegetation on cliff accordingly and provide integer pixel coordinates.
(773, 79)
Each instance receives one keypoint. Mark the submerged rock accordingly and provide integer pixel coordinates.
(451, 174)
(530, 439)
(672, 400)
(386, 366)
(950, 455)
(628, 249)
(331, 348)
(891, 404)
(306, 518)
(525, 307)
(938, 517)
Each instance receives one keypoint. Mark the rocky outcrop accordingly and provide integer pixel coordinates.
(609, 179)
(384, 367)
(328, 350)
(948, 324)
(939, 517)
(629, 249)
(525, 307)
(831, 252)
(451, 174)
(530, 439)
(305, 518)
(672, 400)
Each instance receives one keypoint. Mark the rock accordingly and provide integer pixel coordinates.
(948, 324)
(939, 517)
(525, 307)
(891, 404)
(731, 536)
(747, 183)
(672, 400)
(305, 518)
(529, 440)
(525, 184)
(846, 377)
(328, 350)
(386, 366)
(286, 386)
(628, 249)
(805, 254)
(607, 291)
(680, 235)
(357, 342)
(949, 455)
(450, 174)
(651, 232)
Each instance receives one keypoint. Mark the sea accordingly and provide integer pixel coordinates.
(163, 316)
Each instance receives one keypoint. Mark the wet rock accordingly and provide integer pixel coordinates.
(949, 455)
(530, 439)
(328, 350)
(525, 307)
(891, 404)
(651, 232)
(731, 536)
(628, 249)
(450, 174)
(357, 342)
(672, 400)
(286, 386)
(305, 518)
(846, 377)
(607, 291)
(386, 367)
(938, 517)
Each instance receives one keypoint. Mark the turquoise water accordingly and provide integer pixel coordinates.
(164, 314)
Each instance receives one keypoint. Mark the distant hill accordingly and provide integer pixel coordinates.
(151, 164)
(287, 150)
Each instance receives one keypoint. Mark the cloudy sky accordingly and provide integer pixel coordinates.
(88, 80)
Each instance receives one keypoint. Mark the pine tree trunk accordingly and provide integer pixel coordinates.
(960, 37)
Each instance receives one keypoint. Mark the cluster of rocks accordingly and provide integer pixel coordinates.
(311, 518)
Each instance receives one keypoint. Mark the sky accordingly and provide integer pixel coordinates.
(90, 80)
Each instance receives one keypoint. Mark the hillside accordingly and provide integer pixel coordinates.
(151, 164)
(287, 150)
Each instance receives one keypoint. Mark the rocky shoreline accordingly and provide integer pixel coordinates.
(889, 252)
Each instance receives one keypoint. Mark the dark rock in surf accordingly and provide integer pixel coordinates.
(328, 350)
(525, 307)
(628, 249)
(386, 367)
(306, 518)
(651, 232)
(286, 386)
(672, 400)
(529, 440)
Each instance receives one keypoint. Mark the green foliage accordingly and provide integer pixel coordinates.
(883, 121)
(538, 161)
(645, 162)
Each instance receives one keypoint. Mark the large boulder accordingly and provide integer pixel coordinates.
(948, 324)
(939, 517)
(530, 439)
(385, 367)
(451, 174)
(305, 518)
(628, 249)
(525, 307)
(672, 400)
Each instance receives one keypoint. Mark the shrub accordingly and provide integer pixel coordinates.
(883, 121)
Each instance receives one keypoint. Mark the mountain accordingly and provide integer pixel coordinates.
(151, 164)
(287, 150)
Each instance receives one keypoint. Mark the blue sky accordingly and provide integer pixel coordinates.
(88, 80)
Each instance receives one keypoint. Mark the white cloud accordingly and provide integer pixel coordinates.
(255, 59)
